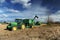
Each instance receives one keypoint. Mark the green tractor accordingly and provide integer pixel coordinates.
(22, 24)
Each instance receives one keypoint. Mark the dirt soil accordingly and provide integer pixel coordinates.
(38, 33)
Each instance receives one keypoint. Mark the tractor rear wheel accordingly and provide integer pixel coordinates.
(23, 26)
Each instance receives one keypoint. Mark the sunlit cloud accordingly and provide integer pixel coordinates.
(23, 2)
(1, 1)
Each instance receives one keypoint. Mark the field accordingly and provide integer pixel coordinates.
(42, 32)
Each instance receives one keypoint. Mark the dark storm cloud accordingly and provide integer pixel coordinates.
(53, 5)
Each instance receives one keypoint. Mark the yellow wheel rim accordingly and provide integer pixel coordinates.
(23, 27)
(14, 28)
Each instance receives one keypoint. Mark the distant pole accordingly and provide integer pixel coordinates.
(48, 17)
(48, 13)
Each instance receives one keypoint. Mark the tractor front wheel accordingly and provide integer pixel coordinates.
(14, 28)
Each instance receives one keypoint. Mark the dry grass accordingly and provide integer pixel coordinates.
(39, 33)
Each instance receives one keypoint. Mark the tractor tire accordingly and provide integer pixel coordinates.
(23, 27)
(8, 28)
(30, 26)
(14, 28)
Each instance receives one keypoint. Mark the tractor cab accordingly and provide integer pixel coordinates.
(18, 20)
(19, 23)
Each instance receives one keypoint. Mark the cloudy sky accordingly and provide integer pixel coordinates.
(11, 9)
